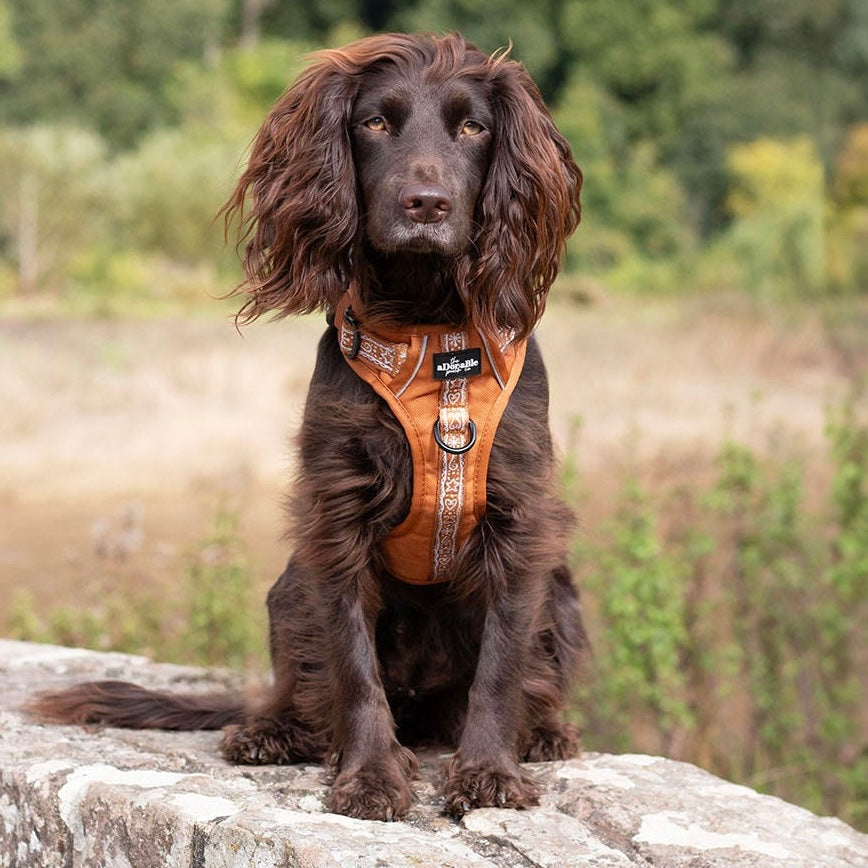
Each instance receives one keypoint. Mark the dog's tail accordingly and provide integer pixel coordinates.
(119, 703)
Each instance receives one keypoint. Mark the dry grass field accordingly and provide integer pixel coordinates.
(120, 438)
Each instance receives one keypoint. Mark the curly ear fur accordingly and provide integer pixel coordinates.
(303, 224)
(300, 189)
(529, 206)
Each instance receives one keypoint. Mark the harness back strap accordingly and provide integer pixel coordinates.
(448, 386)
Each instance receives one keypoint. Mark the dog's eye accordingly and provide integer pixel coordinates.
(376, 123)
(471, 128)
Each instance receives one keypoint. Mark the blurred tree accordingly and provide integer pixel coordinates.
(163, 194)
(632, 207)
(492, 24)
(105, 63)
(10, 53)
(814, 30)
(850, 186)
(166, 193)
(777, 202)
(315, 20)
(664, 65)
(230, 99)
(800, 69)
(848, 223)
(656, 57)
(251, 21)
(700, 76)
(812, 53)
(737, 108)
(51, 194)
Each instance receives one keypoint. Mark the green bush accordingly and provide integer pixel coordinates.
(220, 629)
(777, 201)
(638, 589)
(726, 624)
(212, 621)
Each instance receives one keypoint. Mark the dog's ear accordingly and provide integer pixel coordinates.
(295, 204)
(528, 208)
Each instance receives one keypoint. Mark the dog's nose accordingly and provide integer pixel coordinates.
(425, 203)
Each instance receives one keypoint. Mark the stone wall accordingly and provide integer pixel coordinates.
(76, 797)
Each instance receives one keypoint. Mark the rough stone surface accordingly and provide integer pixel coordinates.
(76, 797)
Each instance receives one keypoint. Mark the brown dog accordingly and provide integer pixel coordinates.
(418, 191)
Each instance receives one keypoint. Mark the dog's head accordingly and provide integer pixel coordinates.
(407, 144)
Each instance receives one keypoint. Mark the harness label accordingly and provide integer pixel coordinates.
(461, 363)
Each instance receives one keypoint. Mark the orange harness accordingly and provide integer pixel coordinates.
(448, 387)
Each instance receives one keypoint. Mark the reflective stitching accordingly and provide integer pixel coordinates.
(416, 369)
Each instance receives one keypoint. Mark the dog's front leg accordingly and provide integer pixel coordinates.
(484, 771)
(373, 770)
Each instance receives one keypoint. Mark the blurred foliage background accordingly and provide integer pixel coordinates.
(724, 143)
(725, 150)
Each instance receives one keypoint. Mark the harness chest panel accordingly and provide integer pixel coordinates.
(448, 386)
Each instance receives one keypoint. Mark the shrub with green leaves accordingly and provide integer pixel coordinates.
(726, 624)
(213, 621)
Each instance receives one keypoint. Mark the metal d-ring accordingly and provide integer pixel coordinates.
(456, 450)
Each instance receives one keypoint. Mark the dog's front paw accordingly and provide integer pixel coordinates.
(371, 793)
(487, 786)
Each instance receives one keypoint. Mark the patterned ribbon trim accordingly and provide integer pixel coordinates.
(454, 429)
(385, 355)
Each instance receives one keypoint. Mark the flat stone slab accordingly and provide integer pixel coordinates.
(71, 796)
